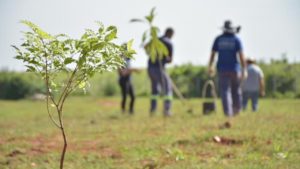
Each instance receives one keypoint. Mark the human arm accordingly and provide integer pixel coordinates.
(261, 84)
(243, 64)
(211, 70)
(169, 58)
(124, 72)
(214, 50)
(239, 47)
(134, 70)
(262, 87)
(128, 71)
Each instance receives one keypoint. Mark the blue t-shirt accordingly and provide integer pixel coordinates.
(169, 46)
(227, 45)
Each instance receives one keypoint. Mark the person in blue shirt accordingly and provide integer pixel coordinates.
(160, 80)
(231, 68)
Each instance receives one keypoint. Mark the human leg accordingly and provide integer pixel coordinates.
(236, 93)
(123, 92)
(254, 100)
(132, 97)
(245, 99)
(168, 94)
(154, 78)
(224, 85)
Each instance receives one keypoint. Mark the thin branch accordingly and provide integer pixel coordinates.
(51, 117)
(71, 89)
(63, 101)
(49, 95)
(67, 86)
(47, 77)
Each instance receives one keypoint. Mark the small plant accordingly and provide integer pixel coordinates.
(66, 64)
(153, 46)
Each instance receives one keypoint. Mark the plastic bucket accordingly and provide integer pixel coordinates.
(209, 105)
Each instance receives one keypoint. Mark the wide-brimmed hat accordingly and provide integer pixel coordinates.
(229, 28)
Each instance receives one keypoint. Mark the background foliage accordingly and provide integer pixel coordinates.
(282, 81)
(14, 85)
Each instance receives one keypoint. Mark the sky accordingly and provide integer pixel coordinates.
(270, 28)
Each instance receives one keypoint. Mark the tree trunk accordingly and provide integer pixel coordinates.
(64, 148)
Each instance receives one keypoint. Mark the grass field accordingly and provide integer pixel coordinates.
(101, 137)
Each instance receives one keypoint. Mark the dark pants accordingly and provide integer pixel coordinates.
(160, 82)
(231, 93)
(126, 88)
(253, 96)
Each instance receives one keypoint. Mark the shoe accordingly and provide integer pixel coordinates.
(167, 114)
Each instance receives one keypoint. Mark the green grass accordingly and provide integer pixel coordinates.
(101, 137)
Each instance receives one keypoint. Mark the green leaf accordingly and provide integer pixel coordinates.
(66, 49)
(150, 17)
(111, 28)
(81, 61)
(37, 30)
(129, 45)
(68, 61)
(16, 48)
(19, 57)
(154, 32)
(56, 63)
(152, 12)
(30, 68)
(61, 35)
(161, 47)
(84, 36)
(82, 85)
(53, 84)
(99, 46)
(34, 62)
(144, 37)
(112, 33)
(129, 50)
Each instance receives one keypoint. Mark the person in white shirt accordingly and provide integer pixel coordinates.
(254, 85)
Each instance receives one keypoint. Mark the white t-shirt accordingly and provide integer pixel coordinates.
(252, 82)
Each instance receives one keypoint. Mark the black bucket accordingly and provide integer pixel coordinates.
(209, 106)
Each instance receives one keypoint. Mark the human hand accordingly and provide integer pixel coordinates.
(136, 70)
(262, 93)
(168, 59)
(211, 71)
(244, 74)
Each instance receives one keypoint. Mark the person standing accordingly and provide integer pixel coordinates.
(254, 85)
(160, 80)
(230, 68)
(126, 86)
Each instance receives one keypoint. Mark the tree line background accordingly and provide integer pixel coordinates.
(281, 77)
